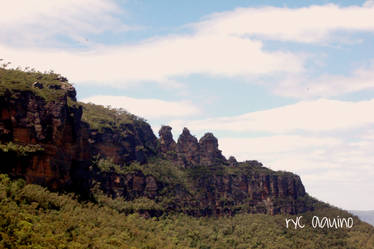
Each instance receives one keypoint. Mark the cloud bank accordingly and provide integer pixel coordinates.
(147, 108)
(313, 116)
(313, 24)
(38, 23)
(227, 44)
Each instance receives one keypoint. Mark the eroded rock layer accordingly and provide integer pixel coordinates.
(45, 140)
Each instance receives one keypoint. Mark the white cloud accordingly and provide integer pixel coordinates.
(24, 11)
(147, 108)
(299, 86)
(219, 45)
(35, 22)
(217, 48)
(160, 60)
(308, 24)
(245, 148)
(315, 116)
(154, 60)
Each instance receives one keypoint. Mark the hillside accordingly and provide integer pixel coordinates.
(49, 138)
(121, 186)
(33, 217)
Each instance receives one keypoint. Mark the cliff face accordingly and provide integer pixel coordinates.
(213, 192)
(257, 193)
(28, 119)
(221, 191)
(54, 141)
(124, 145)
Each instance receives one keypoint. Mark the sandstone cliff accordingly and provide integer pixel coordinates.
(45, 113)
(48, 138)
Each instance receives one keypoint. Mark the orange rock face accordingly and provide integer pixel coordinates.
(68, 143)
(28, 119)
(69, 146)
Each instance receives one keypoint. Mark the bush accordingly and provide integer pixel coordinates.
(20, 149)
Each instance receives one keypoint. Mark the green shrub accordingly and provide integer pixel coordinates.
(15, 80)
(100, 117)
(21, 149)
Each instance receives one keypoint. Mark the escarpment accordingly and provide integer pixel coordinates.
(27, 120)
(48, 138)
(256, 193)
(44, 114)
(130, 139)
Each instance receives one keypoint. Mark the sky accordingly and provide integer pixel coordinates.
(287, 83)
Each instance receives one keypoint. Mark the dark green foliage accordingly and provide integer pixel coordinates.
(107, 166)
(20, 149)
(100, 117)
(33, 217)
(15, 80)
(164, 171)
(141, 205)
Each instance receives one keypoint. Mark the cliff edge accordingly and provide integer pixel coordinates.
(48, 138)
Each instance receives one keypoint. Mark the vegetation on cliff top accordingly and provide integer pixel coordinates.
(51, 86)
(33, 217)
(100, 117)
(15, 80)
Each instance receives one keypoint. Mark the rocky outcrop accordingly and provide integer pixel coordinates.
(167, 142)
(188, 149)
(130, 186)
(210, 155)
(168, 146)
(255, 193)
(129, 143)
(69, 89)
(255, 189)
(68, 143)
(38, 85)
(44, 140)
(29, 119)
(232, 161)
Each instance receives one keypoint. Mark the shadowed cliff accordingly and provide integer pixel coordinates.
(48, 138)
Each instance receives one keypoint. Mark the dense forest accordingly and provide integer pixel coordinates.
(33, 217)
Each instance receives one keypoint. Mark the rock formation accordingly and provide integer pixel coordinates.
(168, 146)
(258, 193)
(124, 145)
(45, 141)
(28, 119)
(68, 143)
(232, 161)
(188, 149)
(130, 186)
(210, 155)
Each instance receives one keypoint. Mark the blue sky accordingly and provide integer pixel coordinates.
(288, 83)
